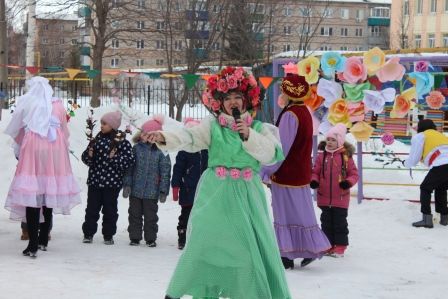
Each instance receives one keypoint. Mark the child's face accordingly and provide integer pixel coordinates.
(233, 100)
(144, 137)
(105, 128)
(332, 143)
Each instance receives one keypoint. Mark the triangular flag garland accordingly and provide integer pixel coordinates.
(266, 81)
(33, 70)
(438, 79)
(153, 75)
(72, 73)
(206, 77)
(92, 73)
(190, 80)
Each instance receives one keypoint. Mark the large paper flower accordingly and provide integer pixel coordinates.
(375, 100)
(421, 66)
(435, 100)
(356, 111)
(332, 62)
(290, 68)
(355, 71)
(388, 138)
(338, 113)
(424, 83)
(355, 92)
(361, 131)
(309, 68)
(329, 90)
(403, 103)
(391, 71)
(312, 99)
(374, 59)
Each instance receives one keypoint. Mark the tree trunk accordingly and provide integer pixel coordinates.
(181, 105)
(97, 60)
(171, 97)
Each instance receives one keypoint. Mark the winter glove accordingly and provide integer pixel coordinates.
(345, 185)
(176, 193)
(314, 185)
(126, 192)
(162, 198)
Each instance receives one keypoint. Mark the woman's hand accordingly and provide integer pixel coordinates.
(156, 137)
(243, 128)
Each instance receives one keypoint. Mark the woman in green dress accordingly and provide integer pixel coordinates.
(231, 250)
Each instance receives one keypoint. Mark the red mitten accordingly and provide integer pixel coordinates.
(175, 193)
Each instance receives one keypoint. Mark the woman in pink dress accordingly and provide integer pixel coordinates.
(43, 182)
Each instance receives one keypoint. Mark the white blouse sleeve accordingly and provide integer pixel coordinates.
(415, 154)
(263, 146)
(188, 139)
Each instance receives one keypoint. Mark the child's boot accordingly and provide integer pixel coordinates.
(339, 251)
(444, 219)
(182, 238)
(425, 222)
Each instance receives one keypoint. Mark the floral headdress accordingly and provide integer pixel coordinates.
(231, 79)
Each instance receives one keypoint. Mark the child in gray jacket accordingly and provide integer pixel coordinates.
(147, 183)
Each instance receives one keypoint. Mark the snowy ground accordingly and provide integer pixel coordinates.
(387, 258)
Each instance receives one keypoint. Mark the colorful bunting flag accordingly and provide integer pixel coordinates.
(33, 70)
(153, 75)
(72, 73)
(266, 81)
(206, 77)
(92, 73)
(190, 80)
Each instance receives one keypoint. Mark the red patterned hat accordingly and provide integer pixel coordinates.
(295, 86)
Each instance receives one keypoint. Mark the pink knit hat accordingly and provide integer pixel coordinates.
(113, 119)
(152, 125)
(338, 132)
(190, 122)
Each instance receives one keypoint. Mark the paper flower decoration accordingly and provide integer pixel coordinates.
(374, 59)
(423, 83)
(356, 111)
(388, 138)
(355, 71)
(329, 90)
(332, 62)
(421, 66)
(361, 131)
(403, 103)
(391, 71)
(313, 100)
(338, 113)
(309, 68)
(355, 92)
(435, 100)
(375, 100)
(290, 68)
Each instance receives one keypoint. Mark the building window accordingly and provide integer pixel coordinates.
(446, 5)
(45, 41)
(431, 40)
(160, 44)
(61, 54)
(74, 28)
(358, 32)
(325, 48)
(140, 4)
(160, 26)
(140, 25)
(74, 42)
(305, 12)
(359, 15)
(375, 31)
(140, 62)
(344, 48)
(287, 30)
(178, 45)
(271, 48)
(115, 44)
(45, 27)
(140, 44)
(61, 41)
(115, 3)
(286, 48)
(419, 6)
(114, 62)
(216, 46)
(418, 41)
(177, 61)
(61, 27)
(445, 40)
(406, 8)
(327, 12)
(287, 11)
(380, 12)
(326, 31)
(344, 31)
(115, 24)
(345, 13)
(159, 61)
(433, 6)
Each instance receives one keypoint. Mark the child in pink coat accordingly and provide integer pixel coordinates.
(334, 173)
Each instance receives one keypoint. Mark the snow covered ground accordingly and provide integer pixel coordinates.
(387, 258)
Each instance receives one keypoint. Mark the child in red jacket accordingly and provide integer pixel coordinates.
(334, 173)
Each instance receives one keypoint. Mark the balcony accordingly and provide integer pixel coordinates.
(85, 51)
(372, 21)
(200, 53)
(196, 15)
(197, 34)
(258, 36)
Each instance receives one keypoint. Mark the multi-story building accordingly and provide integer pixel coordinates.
(278, 26)
(419, 24)
(57, 40)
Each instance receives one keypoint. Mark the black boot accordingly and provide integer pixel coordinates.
(182, 233)
(306, 261)
(425, 222)
(444, 220)
(287, 263)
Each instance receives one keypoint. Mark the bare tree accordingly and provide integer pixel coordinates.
(402, 33)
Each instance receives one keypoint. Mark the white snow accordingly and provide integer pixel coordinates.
(387, 257)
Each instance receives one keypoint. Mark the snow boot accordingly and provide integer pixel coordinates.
(24, 236)
(306, 261)
(42, 248)
(87, 239)
(287, 263)
(339, 251)
(444, 220)
(108, 240)
(134, 242)
(425, 222)
(28, 252)
(151, 243)
(182, 233)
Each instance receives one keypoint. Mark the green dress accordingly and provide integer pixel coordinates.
(231, 250)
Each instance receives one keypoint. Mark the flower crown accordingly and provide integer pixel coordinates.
(231, 79)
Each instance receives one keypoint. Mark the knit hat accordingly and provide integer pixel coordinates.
(338, 132)
(113, 119)
(154, 124)
(425, 124)
(190, 122)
